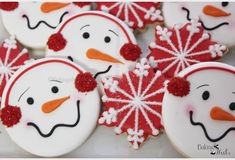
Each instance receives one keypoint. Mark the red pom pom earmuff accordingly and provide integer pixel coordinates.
(10, 116)
(130, 51)
(81, 4)
(85, 82)
(179, 87)
(56, 42)
(9, 6)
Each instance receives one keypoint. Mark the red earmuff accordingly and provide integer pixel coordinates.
(179, 87)
(56, 42)
(9, 6)
(10, 116)
(130, 51)
(81, 4)
(85, 82)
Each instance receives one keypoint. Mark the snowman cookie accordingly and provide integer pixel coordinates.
(135, 14)
(198, 110)
(34, 22)
(218, 18)
(98, 41)
(47, 107)
(12, 57)
(133, 103)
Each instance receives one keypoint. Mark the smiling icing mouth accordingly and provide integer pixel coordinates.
(43, 22)
(58, 125)
(202, 23)
(205, 131)
(103, 72)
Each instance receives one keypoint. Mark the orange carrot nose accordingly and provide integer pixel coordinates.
(214, 11)
(97, 55)
(50, 106)
(47, 7)
(218, 113)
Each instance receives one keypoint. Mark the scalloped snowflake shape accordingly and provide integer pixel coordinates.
(11, 59)
(134, 14)
(133, 103)
(176, 49)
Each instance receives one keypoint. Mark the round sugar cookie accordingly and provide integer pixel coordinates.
(218, 18)
(98, 41)
(199, 110)
(47, 108)
(33, 22)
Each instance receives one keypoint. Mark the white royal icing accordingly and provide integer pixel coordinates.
(36, 80)
(219, 26)
(189, 137)
(99, 25)
(16, 22)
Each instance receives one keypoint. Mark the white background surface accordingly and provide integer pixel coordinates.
(103, 142)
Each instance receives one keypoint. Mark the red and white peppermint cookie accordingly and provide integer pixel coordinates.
(11, 59)
(135, 14)
(133, 103)
(178, 48)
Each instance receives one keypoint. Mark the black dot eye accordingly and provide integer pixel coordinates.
(205, 95)
(86, 35)
(70, 58)
(232, 106)
(30, 101)
(55, 89)
(107, 39)
(224, 4)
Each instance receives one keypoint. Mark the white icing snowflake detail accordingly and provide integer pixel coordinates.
(11, 59)
(132, 11)
(135, 100)
(6, 67)
(178, 51)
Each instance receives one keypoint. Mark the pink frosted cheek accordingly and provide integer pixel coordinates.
(231, 22)
(182, 5)
(26, 121)
(21, 13)
(71, 10)
(188, 108)
(75, 96)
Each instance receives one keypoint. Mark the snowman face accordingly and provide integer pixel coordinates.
(94, 40)
(56, 117)
(218, 18)
(36, 21)
(206, 116)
